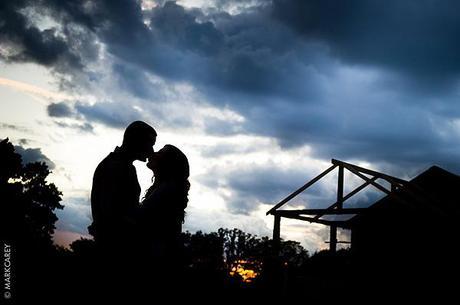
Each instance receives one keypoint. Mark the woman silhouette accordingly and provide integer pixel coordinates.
(163, 210)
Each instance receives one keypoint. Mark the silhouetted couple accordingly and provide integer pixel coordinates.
(139, 242)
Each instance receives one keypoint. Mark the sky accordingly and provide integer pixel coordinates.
(260, 95)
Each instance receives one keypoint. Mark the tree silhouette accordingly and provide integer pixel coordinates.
(29, 200)
(27, 207)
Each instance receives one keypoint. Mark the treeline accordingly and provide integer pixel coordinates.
(233, 262)
(220, 251)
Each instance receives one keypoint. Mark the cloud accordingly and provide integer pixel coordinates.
(176, 40)
(246, 54)
(269, 43)
(354, 81)
(59, 110)
(413, 37)
(24, 41)
(138, 82)
(14, 127)
(251, 187)
(66, 115)
(83, 127)
(33, 155)
(24, 87)
(111, 114)
(247, 185)
(76, 215)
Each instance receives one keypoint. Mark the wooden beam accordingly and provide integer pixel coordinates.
(301, 189)
(396, 184)
(340, 242)
(338, 223)
(340, 188)
(357, 173)
(394, 187)
(346, 211)
(349, 195)
(369, 172)
(378, 186)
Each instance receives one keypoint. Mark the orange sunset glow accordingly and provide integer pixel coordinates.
(247, 270)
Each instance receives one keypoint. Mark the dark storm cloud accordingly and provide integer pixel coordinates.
(59, 110)
(33, 155)
(241, 56)
(264, 51)
(261, 51)
(279, 65)
(417, 37)
(137, 82)
(26, 42)
(109, 114)
(178, 27)
(378, 132)
(247, 53)
(116, 115)
(64, 110)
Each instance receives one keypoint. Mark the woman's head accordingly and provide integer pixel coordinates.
(169, 163)
(170, 167)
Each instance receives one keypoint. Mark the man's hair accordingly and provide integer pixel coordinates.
(137, 132)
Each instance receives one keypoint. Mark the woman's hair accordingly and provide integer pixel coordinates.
(173, 169)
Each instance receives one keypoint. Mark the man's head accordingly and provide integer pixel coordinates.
(139, 139)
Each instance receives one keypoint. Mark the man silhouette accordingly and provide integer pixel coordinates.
(115, 191)
(114, 204)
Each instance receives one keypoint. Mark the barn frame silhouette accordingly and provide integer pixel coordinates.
(370, 177)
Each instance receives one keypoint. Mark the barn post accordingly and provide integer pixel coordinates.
(276, 233)
(333, 228)
(333, 238)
